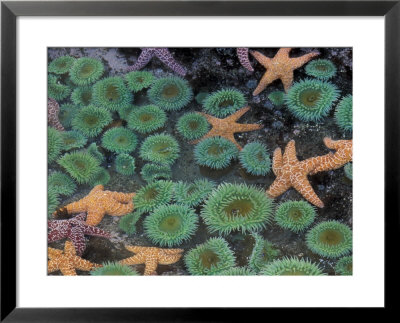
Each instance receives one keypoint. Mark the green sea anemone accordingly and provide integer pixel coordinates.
(224, 102)
(201, 96)
(61, 65)
(67, 113)
(277, 98)
(344, 113)
(119, 140)
(94, 151)
(330, 239)
(102, 177)
(192, 126)
(209, 258)
(82, 96)
(86, 71)
(170, 225)
(295, 215)
(323, 69)
(138, 80)
(73, 139)
(344, 266)
(57, 90)
(237, 207)
(215, 152)
(263, 253)
(114, 269)
(348, 170)
(111, 93)
(52, 201)
(81, 166)
(193, 194)
(146, 119)
(160, 148)
(170, 93)
(311, 100)
(125, 164)
(61, 183)
(254, 158)
(124, 112)
(153, 195)
(152, 172)
(292, 267)
(54, 144)
(128, 222)
(236, 271)
(91, 120)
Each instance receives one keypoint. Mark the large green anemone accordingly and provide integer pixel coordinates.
(344, 266)
(160, 148)
(73, 139)
(146, 119)
(57, 90)
(170, 225)
(128, 222)
(236, 271)
(193, 194)
(54, 144)
(114, 269)
(292, 267)
(94, 151)
(330, 239)
(86, 71)
(67, 113)
(348, 170)
(210, 258)
(277, 98)
(254, 158)
(151, 172)
(237, 207)
(125, 164)
(81, 166)
(215, 152)
(61, 183)
(192, 126)
(224, 102)
(82, 96)
(102, 177)
(138, 80)
(344, 113)
(91, 120)
(153, 195)
(111, 93)
(263, 253)
(323, 69)
(170, 93)
(52, 201)
(61, 65)
(119, 140)
(311, 100)
(295, 215)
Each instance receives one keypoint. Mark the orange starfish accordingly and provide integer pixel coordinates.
(228, 126)
(281, 66)
(99, 202)
(67, 261)
(152, 257)
(343, 155)
(292, 173)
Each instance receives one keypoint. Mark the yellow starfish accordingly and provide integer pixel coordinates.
(228, 126)
(293, 173)
(67, 261)
(152, 257)
(281, 66)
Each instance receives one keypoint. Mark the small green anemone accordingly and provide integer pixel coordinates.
(52, 201)
(61, 65)
(215, 152)
(236, 271)
(344, 266)
(102, 177)
(322, 69)
(295, 215)
(114, 269)
(292, 267)
(160, 148)
(67, 113)
(128, 222)
(111, 93)
(224, 102)
(170, 93)
(152, 172)
(73, 139)
(330, 239)
(263, 253)
(57, 90)
(277, 98)
(126, 111)
(201, 96)
(254, 158)
(81, 166)
(210, 258)
(94, 151)
(237, 207)
(61, 183)
(348, 170)
(192, 194)
(153, 195)
(146, 119)
(125, 164)
(119, 140)
(311, 100)
(138, 80)
(91, 120)
(54, 144)
(86, 71)
(344, 113)
(192, 126)
(170, 225)
(82, 96)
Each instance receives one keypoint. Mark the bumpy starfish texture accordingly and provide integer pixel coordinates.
(52, 114)
(293, 173)
(243, 55)
(163, 55)
(152, 257)
(343, 155)
(99, 202)
(281, 66)
(228, 126)
(67, 261)
(74, 229)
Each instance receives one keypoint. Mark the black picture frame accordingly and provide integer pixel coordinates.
(10, 10)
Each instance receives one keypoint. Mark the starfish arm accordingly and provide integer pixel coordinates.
(56, 234)
(172, 251)
(322, 163)
(165, 56)
(297, 62)
(303, 186)
(311, 164)
(94, 217)
(287, 81)
(267, 79)
(263, 60)
(67, 270)
(53, 265)
(136, 249)
(134, 260)
(231, 138)
(150, 266)
(94, 231)
(53, 253)
(80, 217)
(289, 156)
(122, 197)
(97, 188)
(53, 110)
(278, 187)
(237, 115)
(243, 55)
(169, 259)
(69, 249)
(77, 207)
(78, 239)
(143, 59)
(240, 127)
(283, 52)
(277, 161)
(83, 264)
(115, 208)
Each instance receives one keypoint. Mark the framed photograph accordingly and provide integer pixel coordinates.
(202, 148)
